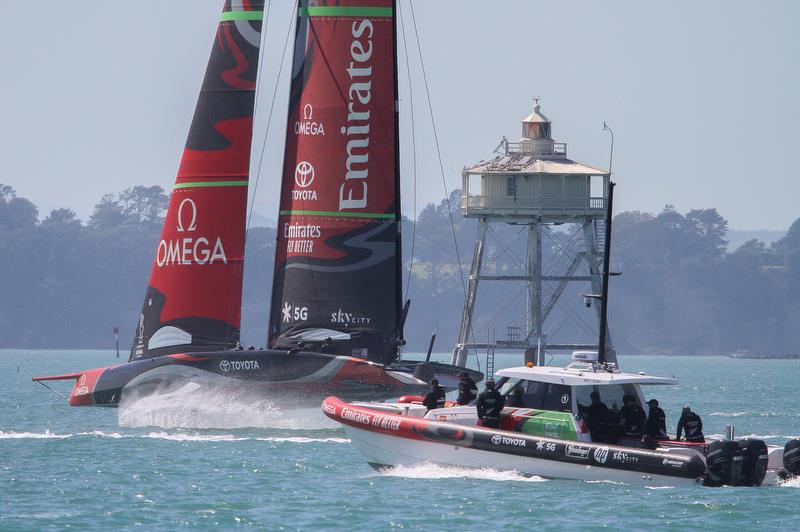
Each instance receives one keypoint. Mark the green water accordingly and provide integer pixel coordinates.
(161, 467)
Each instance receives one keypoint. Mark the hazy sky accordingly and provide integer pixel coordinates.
(703, 97)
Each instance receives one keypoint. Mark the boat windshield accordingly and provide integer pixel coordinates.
(611, 395)
(523, 393)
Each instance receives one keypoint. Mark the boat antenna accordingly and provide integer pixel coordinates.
(601, 350)
(611, 155)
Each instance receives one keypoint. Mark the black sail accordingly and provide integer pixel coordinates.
(337, 264)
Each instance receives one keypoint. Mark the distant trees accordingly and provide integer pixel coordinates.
(67, 283)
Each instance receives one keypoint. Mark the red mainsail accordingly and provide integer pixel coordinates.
(193, 299)
(337, 262)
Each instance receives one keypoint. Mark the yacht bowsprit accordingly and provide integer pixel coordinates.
(337, 313)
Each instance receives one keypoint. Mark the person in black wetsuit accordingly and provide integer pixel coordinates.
(489, 404)
(435, 397)
(467, 389)
(597, 412)
(692, 425)
(655, 428)
(633, 418)
(327, 346)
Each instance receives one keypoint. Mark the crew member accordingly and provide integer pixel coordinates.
(467, 389)
(435, 397)
(692, 425)
(633, 418)
(327, 346)
(597, 412)
(489, 404)
(656, 427)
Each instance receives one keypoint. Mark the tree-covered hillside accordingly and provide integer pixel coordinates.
(66, 283)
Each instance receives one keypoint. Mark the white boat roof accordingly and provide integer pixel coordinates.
(583, 375)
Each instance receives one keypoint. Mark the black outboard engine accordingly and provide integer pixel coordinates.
(720, 463)
(753, 465)
(791, 459)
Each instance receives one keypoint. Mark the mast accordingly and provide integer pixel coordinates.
(601, 351)
(337, 261)
(401, 315)
(193, 298)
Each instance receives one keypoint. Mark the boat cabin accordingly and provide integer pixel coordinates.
(554, 401)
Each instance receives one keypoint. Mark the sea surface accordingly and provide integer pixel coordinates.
(216, 463)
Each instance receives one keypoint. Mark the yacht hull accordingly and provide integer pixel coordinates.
(304, 376)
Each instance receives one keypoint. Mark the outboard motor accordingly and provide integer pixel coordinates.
(791, 459)
(753, 465)
(720, 463)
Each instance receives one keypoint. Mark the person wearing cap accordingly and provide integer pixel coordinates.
(489, 404)
(435, 397)
(632, 418)
(597, 417)
(467, 389)
(692, 425)
(656, 427)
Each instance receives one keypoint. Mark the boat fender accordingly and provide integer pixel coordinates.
(791, 459)
(755, 456)
(720, 462)
(411, 399)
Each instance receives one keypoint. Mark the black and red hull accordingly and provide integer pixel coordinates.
(303, 376)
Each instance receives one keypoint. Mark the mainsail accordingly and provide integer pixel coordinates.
(337, 263)
(193, 299)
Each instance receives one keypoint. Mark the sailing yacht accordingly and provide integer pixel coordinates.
(337, 312)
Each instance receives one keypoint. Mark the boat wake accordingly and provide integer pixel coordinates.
(169, 436)
(46, 435)
(217, 407)
(434, 471)
(791, 483)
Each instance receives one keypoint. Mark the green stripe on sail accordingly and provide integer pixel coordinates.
(242, 15)
(345, 11)
(379, 215)
(211, 184)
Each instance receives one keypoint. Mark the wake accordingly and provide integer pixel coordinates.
(218, 407)
(434, 471)
(162, 435)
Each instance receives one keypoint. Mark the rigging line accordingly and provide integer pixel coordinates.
(438, 150)
(263, 38)
(271, 108)
(441, 165)
(413, 151)
(54, 391)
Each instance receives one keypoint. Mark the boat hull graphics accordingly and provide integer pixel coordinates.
(389, 440)
(305, 375)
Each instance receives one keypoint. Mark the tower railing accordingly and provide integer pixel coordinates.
(483, 205)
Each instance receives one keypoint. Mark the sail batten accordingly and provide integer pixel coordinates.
(337, 262)
(193, 299)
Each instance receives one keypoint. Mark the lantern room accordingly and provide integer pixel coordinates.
(533, 178)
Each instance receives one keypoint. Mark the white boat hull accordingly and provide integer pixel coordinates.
(381, 451)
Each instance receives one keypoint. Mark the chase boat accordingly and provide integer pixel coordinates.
(547, 435)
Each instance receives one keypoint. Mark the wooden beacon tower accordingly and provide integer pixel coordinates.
(533, 183)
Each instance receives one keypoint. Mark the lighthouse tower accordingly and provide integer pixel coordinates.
(532, 183)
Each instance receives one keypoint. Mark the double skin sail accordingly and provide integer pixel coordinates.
(193, 299)
(337, 265)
